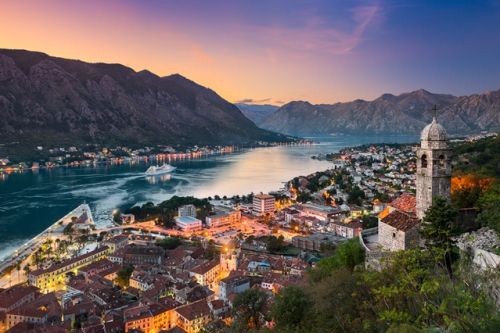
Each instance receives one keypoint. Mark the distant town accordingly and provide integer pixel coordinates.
(94, 155)
(179, 266)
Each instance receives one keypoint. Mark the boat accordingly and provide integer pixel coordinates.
(159, 170)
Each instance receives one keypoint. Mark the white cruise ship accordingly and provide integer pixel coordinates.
(159, 170)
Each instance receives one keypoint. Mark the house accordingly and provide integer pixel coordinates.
(193, 317)
(398, 231)
(207, 272)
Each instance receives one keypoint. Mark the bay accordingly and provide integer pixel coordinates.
(31, 201)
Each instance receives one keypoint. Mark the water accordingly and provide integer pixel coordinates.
(31, 201)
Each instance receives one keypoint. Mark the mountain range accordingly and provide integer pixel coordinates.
(257, 112)
(407, 113)
(46, 100)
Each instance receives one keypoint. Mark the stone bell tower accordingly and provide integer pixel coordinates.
(433, 166)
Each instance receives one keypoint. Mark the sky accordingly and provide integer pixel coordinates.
(275, 51)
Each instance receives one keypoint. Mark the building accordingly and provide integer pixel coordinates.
(149, 318)
(223, 216)
(318, 211)
(143, 255)
(263, 204)
(13, 298)
(347, 230)
(398, 231)
(312, 242)
(45, 309)
(50, 279)
(193, 317)
(188, 223)
(187, 210)
(235, 284)
(207, 272)
(433, 166)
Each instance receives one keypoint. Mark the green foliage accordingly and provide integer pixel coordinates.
(123, 276)
(489, 202)
(249, 310)
(411, 293)
(291, 309)
(481, 157)
(347, 255)
(169, 243)
(276, 244)
(438, 230)
(369, 221)
(356, 196)
(304, 197)
(438, 226)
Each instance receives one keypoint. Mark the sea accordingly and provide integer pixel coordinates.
(31, 201)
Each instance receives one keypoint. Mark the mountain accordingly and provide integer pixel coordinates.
(389, 114)
(46, 100)
(257, 113)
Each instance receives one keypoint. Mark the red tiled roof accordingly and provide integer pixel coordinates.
(400, 221)
(194, 310)
(406, 203)
(10, 296)
(205, 267)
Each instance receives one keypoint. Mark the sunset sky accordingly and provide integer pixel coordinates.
(275, 51)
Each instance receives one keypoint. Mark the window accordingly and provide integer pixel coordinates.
(393, 235)
(442, 162)
(423, 161)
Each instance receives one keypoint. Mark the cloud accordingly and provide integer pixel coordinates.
(316, 35)
(253, 101)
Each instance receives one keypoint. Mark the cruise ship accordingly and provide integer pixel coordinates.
(159, 170)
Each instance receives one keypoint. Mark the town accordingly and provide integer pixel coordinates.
(182, 265)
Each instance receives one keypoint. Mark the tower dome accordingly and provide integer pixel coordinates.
(433, 132)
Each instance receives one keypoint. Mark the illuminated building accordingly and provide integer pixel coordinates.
(263, 204)
(188, 223)
(52, 278)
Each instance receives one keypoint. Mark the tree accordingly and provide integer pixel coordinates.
(438, 230)
(347, 255)
(490, 208)
(249, 310)
(169, 243)
(291, 309)
(276, 244)
(123, 276)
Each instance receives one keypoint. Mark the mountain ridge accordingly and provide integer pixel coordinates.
(389, 114)
(47, 100)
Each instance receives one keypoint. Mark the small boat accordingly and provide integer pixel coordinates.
(159, 170)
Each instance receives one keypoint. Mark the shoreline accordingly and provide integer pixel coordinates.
(11, 258)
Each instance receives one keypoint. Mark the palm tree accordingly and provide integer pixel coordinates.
(18, 268)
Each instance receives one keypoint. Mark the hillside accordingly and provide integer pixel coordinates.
(389, 114)
(257, 113)
(46, 100)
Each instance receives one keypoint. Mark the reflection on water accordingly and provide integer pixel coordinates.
(31, 201)
(159, 178)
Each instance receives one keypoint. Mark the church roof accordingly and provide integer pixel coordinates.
(406, 203)
(433, 132)
(401, 221)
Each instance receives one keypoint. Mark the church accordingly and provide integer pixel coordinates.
(399, 222)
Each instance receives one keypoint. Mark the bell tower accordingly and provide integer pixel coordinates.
(433, 166)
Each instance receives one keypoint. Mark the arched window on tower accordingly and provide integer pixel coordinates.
(442, 162)
(423, 161)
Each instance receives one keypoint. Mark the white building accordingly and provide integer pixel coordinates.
(263, 204)
(188, 223)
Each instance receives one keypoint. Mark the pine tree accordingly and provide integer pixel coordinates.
(438, 230)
